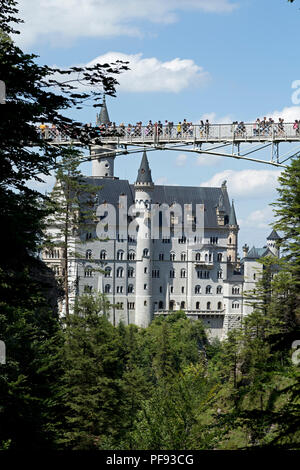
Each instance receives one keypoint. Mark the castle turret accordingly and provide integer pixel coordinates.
(103, 166)
(143, 199)
(272, 243)
(232, 236)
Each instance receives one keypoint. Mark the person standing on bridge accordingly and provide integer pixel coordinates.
(179, 129)
(207, 128)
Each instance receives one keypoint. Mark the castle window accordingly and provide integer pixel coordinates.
(155, 273)
(198, 256)
(119, 289)
(107, 272)
(107, 288)
(219, 305)
(146, 252)
(183, 273)
(197, 305)
(254, 276)
(130, 289)
(119, 306)
(230, 241)
(235, 290)
(219, 290)
(103, 254)
(56, 270)
(183, 256)
(172, 256)
(199, 274)
(145, 287)
(88, 254)
(182, 289)
(131, 305)
(209, 257)
(208, 306)
(220, 274)
(120, 255)
(235, 305)
(120, 272)
(145, 303)
(208, 290)
(160, 305)
(161, 256)
(182, 240)
(172, 273)
(131, 255)
(130, 272)
(213, 240)
(88, 236)
(145, 270)
(160, 289)
(182, 305)
(87, 289)
(197, 289)
(220, 256)
(88, 272)
(171, 289)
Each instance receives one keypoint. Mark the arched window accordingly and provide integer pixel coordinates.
(220, 256)
(220, 274)
(88, 254)
(172, 273)
(183, 273)
(160, 305)
(235, 290)
(197, 305)
(131, 255)
(198, 256)
(107, 289)
(172, 256)
(208, 290)
(107, 272)
(230, 241)
(197, 289)
(130, 289)
(130, 272)
(219, 290)
(206, 257)
(219, 305)
(102, 254)
(120, 272)
(183, 256)
(120, 255)
(88, 271)
(182, 305)
(146, 252)
(208, 306)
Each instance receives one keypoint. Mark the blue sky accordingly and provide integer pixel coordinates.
(227, 59)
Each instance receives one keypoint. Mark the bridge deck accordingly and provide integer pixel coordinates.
(194, 134)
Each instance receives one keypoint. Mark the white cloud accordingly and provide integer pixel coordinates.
(150, 74)
(181, 159)
(207, 160)
(46, 185)
(246, 183)
(63, 21)
(259, 219)
(289, 114)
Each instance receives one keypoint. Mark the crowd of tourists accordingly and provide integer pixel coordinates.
(183, 129)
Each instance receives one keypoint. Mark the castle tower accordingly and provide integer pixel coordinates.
(143, 199)
(272, 243)
(232, 236)
(103, 167)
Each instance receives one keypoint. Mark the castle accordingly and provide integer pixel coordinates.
(144, 276)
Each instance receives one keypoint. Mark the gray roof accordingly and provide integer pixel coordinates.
(273, 236)
(111, 189)
(103, 116)
(256, 253)
(232, 217)
(144, 173)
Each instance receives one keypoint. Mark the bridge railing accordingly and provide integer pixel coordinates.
(189, 133)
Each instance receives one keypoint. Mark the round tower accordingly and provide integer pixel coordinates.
(232, 236)
(143, 198)
(272, 243)
(103, 165)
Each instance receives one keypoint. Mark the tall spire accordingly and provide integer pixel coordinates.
(103, 117)
(144, 174)
(232, 216)
(273, 236)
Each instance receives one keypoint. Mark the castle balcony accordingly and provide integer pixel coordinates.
(191, 312)
(204, 264)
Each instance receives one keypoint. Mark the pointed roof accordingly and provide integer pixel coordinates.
(103, 117)
(144, 173)
(232, 216)
(273, 236)
(256, 253)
